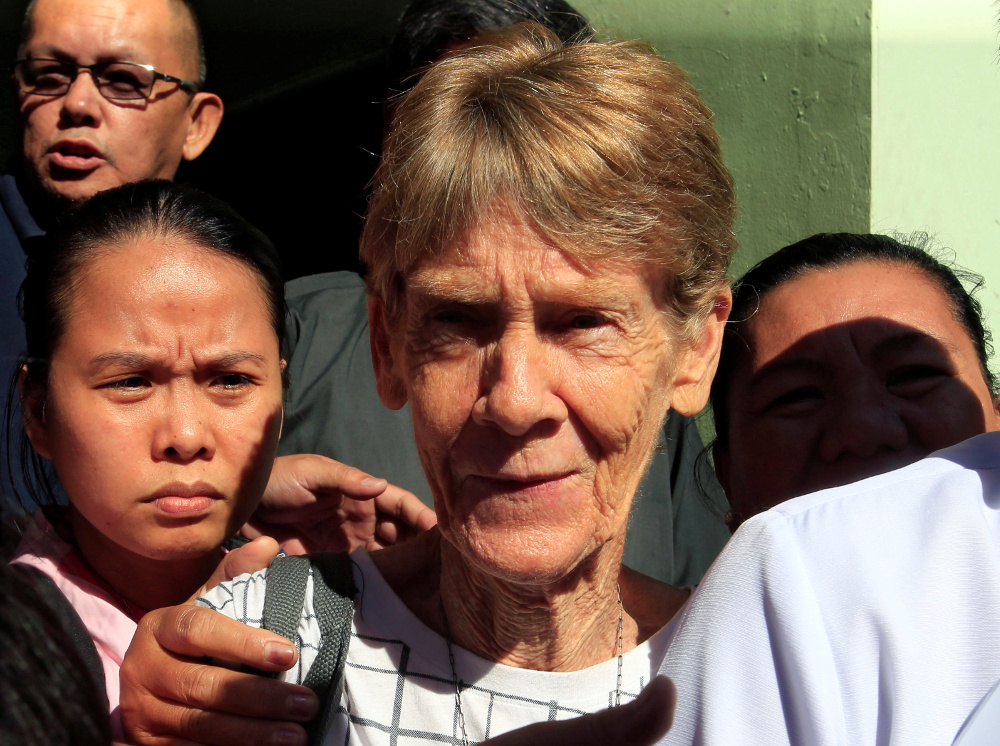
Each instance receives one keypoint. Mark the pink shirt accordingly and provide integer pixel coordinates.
(101, 610)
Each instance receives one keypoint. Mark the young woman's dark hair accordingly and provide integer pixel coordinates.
(825, 250)
(115, 218)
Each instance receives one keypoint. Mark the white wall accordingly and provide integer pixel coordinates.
(936, 129)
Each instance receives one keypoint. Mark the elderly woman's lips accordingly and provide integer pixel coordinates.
(530, 483)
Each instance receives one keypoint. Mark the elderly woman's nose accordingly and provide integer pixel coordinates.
(863, 425)
(519, 389)
(182, 431)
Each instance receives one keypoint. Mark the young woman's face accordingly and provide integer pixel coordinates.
(163, 407)
(848, 372)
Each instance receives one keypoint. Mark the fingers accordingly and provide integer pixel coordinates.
(299, 480)
(642, 722)
(405, 507)
(166, 722)
(248, 558)
(165, 695)
(197, 632)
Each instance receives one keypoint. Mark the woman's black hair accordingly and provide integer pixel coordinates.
(825, 250)
(136, 211)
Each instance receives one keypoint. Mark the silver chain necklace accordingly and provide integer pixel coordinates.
(458, 684)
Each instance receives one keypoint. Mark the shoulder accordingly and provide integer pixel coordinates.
(650, 602)
(327, 313)
(342, 286)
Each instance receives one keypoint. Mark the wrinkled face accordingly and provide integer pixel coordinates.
(537, 384)
(164, 398)
(850, 372)
(81, 143)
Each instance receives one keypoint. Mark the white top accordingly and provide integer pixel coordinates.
(866, 614)
(399, 687)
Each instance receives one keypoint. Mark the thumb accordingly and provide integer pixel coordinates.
(641, 722)
(248, 558)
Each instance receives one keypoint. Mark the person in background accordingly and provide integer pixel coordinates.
(134, 114)
(677, 523)
(110, 92)
(847, 355)
(870, 612)
(153, 385)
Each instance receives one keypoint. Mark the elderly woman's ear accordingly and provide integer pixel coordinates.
(391, 389)
(694, 375)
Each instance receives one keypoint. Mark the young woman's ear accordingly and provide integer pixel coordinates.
(284, 367)
(33, 413)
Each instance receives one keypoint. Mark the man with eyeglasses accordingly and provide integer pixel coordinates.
(109, 93)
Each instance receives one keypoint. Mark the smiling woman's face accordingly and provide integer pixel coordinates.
(537, 385)
(848, 372)
(163, 403)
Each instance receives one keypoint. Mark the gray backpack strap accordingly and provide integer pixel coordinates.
(333, 594)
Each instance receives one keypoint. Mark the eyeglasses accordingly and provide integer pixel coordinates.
(118, 81)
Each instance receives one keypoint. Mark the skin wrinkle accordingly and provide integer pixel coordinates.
(515, 370)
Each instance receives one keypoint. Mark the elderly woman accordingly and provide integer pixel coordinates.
(547, 240)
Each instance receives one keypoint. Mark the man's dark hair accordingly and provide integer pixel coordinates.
(828, 250)
(188, 6)
(429, 28)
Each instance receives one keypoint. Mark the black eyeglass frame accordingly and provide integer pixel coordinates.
(186, 85)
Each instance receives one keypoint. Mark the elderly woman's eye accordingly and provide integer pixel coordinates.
(452, 315)
(586, 321)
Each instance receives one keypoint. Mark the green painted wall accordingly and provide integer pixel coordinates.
(789, 82)
(935, 146)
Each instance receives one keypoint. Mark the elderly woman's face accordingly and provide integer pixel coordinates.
(848, 372)
(537, 386)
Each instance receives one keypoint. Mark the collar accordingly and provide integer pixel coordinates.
(25, 226)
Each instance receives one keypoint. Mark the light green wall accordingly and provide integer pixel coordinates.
(789, 82)
(935, 134)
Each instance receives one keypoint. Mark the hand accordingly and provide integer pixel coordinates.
(169, 696)
(315, 504)
(641, 722)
